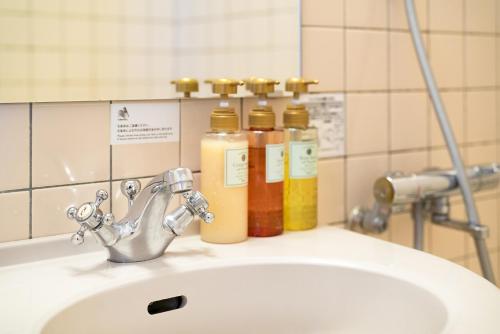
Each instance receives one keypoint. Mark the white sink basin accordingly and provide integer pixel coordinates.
(260, 298)
(327, 280)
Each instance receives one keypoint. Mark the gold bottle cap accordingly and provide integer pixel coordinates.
(262, 115)
(224, 118)
(296, 115)
(185, 85)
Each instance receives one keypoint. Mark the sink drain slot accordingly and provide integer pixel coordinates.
(168, 304)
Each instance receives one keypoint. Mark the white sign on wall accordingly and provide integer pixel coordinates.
(326, 113)
(144, 122)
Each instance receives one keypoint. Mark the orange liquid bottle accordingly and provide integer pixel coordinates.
(265, 165)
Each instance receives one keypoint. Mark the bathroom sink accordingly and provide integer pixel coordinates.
(326, 280)
(273, 297)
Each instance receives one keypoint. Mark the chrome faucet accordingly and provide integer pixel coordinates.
(146, 230)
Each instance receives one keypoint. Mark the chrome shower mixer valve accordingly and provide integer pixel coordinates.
(147, 229)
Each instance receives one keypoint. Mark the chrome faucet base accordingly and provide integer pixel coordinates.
(123, 255)
(147, 229)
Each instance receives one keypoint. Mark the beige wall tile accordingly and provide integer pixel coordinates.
(144, 159)
(361, 174)
(366, 13)
(498, 113)
(480, 116)
(366, 63)
(498, 18)
(474, 265)
(278, 104)
(323, 12)
(447, 59)
(481, 154)
(488, 214)
(49, 207)
(331, 180)
(14, 146)
(446, 15)
(408, 120)
(70, 142)
(195, 122)
(497, 65)
(479, 61)
(405, 72)
(397, 14)
(409, 161)
(323, 57)
(14, 216)
(401, 231)
(447, 243)
(367, 120)
(454, 106)
(440, 158)
(480, 15)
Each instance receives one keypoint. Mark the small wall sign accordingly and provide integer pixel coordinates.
(326, 113)
(144, 122)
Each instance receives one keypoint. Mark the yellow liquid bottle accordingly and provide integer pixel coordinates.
(300, 196)
(301, 182)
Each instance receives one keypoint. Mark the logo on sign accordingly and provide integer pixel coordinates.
(123, 114)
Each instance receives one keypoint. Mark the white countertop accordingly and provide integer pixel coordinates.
(32, 290)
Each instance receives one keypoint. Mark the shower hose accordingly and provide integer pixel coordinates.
(472, 215)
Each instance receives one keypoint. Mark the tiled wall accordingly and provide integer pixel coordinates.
(66, 50)
(55, 154)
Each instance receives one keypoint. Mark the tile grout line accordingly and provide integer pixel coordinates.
(346, 116)
(354, 155)
(403, 30)
(30, 214)
(497, 108)
(497, 55)
(110, 164)
(428, 235)
(179, 103)
(388, 100)
(465, 109)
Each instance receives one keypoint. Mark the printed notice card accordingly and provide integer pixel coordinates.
(146, 122)
(326, 113)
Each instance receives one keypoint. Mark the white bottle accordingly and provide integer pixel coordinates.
(224, 168)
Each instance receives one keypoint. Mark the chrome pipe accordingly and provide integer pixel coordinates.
(463, 181)
(413, 188)
(418, 226)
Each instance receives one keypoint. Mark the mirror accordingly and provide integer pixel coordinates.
(69, 50)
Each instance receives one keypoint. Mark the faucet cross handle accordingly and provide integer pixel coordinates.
(89, 216)
(197, 203)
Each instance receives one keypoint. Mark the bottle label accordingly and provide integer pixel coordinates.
(274, 163)
(235, 167)
(303, 160)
